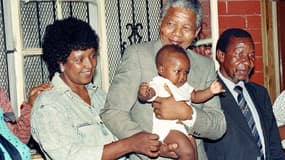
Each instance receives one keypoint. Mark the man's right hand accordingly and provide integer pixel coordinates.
(170, 109)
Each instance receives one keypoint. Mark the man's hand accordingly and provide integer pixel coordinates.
(168, 108)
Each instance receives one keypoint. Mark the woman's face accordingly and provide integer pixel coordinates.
(79, 67)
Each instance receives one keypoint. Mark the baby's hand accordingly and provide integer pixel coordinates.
(145, 92)
(216, 87)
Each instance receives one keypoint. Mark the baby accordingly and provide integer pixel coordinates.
(173, 66)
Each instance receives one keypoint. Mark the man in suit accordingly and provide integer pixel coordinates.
(124, 115)
(251, 127)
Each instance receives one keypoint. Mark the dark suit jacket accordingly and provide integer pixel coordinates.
(238, 143)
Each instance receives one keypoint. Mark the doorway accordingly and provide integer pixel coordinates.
(280, 6)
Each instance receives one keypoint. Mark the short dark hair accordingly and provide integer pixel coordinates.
(225, 37)
(64, 36)
(166, 50)
(193, 5)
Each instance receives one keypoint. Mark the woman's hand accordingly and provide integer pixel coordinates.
(149, 144)
(145, 143)
(35, 91)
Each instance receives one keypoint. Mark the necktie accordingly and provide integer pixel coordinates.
(249, 118)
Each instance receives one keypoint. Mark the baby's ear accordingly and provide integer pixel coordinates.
(160, 69)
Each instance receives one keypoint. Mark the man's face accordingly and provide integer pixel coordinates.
(238, 60)
(178, 27)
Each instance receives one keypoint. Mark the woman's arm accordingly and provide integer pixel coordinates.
(279, 113)
(142, 142)
(22, 126)
(282, 132)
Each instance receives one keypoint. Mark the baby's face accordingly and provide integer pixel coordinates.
(176, 69)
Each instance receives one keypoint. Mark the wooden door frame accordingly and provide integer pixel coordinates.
(280, 5)
(269, 42)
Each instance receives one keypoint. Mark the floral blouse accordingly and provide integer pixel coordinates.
(22, 127)
(5, 132)
(279, 111)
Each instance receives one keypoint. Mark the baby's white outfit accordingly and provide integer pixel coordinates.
(183, 93)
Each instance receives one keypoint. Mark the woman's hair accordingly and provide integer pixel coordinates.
(193, 5)
(64, 36)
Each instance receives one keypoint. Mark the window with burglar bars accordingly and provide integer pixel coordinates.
(4, 81)
(127, 22)
(35, 16)
(119, 24)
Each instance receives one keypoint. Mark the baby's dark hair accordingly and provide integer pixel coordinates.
(166, 51)
(64, 36)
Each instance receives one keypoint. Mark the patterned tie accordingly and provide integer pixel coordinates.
(249, 118)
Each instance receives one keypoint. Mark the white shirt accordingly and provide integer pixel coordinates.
(230, 85)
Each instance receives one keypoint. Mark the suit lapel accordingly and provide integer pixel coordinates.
(256, 99)
(157, 45)
(233, 112)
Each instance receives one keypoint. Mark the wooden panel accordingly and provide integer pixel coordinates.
(268, 50)
(281, 41)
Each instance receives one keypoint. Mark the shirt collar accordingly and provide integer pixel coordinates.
(61, 86)
(230, 85)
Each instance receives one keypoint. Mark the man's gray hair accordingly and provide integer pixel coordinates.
(193, 5)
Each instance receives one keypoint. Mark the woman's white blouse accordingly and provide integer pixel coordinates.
(279, 111)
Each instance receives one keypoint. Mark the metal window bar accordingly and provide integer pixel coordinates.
(129, 22)
(4, 80)
(36, 15)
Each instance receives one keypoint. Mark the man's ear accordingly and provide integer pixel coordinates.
(159, 24)
(220, 56)
(197, 31)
